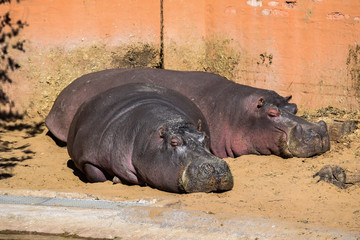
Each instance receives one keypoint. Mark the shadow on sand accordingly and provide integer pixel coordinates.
(13, 153)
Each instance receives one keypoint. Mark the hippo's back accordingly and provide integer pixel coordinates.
(70, 99)
(96, 114)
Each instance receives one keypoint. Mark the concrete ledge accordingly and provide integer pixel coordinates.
(134, 220)
(69, 202)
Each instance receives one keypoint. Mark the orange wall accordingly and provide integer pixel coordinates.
(59, 22)
(309, 40)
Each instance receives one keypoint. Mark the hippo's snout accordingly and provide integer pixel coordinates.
(212, 175)
(308, 140)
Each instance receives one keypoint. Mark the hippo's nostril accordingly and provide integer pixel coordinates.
(207, 168)
(323, 126)
(321, 123)
(314, 134)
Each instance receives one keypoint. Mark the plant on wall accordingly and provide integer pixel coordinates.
(9, 30)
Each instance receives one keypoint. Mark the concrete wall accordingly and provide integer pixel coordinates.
(307, 48)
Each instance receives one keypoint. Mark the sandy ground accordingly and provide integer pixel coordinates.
(265, 186)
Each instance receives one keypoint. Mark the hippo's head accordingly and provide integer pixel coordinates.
(275, 129)
(193, 168)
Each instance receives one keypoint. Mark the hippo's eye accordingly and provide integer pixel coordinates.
(273, 113)
(161, 132)
(175, 142)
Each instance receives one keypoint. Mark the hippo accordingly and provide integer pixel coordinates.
(242, 119)
(147, 135)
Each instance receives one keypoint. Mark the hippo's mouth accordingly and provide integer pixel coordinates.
(307, 141)
(284, 144)
(206, 176)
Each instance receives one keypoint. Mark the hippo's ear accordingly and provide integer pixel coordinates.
(261, 102)
(161, 132)
(288, 98)
(199, 125)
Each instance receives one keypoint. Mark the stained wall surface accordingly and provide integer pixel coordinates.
(307, 48)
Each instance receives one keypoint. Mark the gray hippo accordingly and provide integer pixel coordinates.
(147, 135)
(242, 119)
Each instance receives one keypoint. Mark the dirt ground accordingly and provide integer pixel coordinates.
(265, 186)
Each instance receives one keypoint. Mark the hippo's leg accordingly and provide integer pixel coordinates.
(93, 173)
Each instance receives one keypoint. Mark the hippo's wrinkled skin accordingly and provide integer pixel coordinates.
(242, 119)
(147, 135)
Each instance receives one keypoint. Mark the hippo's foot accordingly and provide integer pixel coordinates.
(332, 174)
(93, 173)
(116, 180)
